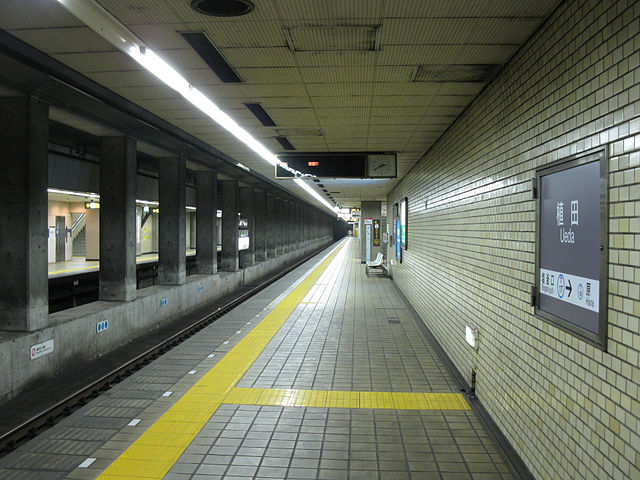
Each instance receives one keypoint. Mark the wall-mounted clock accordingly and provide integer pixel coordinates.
(381, 166)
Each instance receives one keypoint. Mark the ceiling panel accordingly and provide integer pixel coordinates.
(321, 100)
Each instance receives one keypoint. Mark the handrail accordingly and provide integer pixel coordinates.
(76, 228)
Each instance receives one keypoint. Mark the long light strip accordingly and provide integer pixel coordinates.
(100, 21)
(301, 183)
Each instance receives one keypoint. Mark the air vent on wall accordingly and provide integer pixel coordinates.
(261, 114)
(333, 38)
(284, 141)
(203, 47)
(453, 73)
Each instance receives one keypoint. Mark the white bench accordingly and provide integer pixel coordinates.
(376, 266)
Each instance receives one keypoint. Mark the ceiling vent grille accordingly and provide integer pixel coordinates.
(261, 114)
(454, 73)
(333, 38)
(284, 142)
(212, 57)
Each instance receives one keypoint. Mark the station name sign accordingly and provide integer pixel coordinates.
(571, 245)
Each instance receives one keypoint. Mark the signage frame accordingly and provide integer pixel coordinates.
(403, 215)
(600, 155)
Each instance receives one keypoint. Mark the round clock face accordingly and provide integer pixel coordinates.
(382, 166)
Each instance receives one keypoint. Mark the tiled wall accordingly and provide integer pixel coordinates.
(571, 410)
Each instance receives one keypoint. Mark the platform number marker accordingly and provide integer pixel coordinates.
(102, 326)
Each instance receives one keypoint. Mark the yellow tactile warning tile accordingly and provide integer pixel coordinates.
(145, 458)
(342, 399)
(376, 400)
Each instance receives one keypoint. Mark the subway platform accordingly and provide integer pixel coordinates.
(325, 374)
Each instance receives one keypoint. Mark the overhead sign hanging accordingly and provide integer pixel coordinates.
(571, 253)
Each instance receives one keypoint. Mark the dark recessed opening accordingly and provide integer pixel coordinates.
(212, 57)
(284, 141)
(222, 8)
(261, 114)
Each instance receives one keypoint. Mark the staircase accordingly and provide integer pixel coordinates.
(79, 243)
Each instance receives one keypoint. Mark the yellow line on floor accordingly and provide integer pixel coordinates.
(155, 451)
(330, 398)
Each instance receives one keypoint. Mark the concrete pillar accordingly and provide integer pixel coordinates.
(370, 210)
(299, 227)
(314, 233)
(271, 226)
(247, 257)
(118, 219)
(230, 261)
(24, 130)
(278, 225)
(305, 219)
(260, 208)
(172, 191)
(286, 243)
(206, 231)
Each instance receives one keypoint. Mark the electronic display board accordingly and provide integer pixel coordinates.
(571, 247)
(337, 165)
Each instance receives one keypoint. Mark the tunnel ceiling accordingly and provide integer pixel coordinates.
(366, 75)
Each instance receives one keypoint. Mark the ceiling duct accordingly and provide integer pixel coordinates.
(261, 114)
(454, 73)
(284, 141)
(212, 57)
(333, 38)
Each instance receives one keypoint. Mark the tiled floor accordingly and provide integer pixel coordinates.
(350, 333)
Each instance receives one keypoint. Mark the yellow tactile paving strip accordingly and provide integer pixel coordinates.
(335, 399)
(155, 451)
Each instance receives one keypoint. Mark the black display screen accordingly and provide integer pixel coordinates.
(337, 165)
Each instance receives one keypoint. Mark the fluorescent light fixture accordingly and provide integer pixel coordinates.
(70, 192)
(193, 209)
(105, 25)
(314, 194)
(147, 202)
(471, 336)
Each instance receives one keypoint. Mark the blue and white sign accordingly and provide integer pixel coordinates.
(102, 326)
(579, 291)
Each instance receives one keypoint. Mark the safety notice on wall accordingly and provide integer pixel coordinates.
(41, 349)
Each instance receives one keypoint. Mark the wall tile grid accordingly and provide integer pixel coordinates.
(570, 410)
